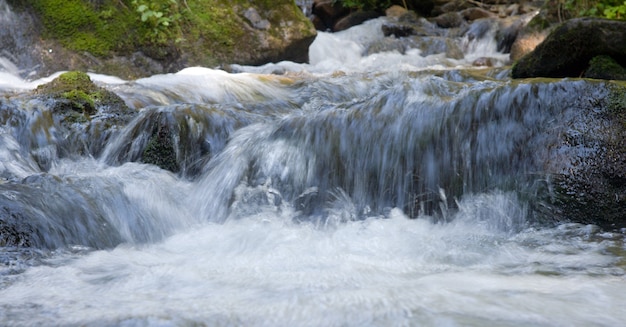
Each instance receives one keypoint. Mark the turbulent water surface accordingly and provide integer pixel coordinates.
(389, 189)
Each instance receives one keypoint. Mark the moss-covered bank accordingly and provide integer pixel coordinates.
(133, 38)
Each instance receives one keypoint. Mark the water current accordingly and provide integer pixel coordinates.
(388, 189)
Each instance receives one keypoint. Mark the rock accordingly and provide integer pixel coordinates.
(566, 52)
(450, 6)
(604, 67)
(354, 18)
(252, 15)
(84, 115)
(528, 35)
(525, 43)
(471, 14)
(109, 38)
(327, 13)
(387, 44)
(449, 20)
(395, 11)
(78, 98)
(430, 45)
(483, 62)
(588, 175)
(410, 24)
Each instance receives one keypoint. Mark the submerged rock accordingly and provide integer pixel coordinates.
(567, 51)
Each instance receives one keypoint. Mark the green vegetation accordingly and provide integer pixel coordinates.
(78, 97)
(80, 26)
(161, 17)
(611, 9)
(365, 4)
(207, 32)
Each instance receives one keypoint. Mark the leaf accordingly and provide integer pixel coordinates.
(142, 8)
(146, 15)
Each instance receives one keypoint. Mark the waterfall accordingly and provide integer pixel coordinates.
(362, 188)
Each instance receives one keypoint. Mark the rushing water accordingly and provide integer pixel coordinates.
(386, 190)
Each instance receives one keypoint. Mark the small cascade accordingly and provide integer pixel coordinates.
(399, 146)
(388, 182)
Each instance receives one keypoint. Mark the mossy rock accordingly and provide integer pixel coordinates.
(566, 52)
(106, 35)
(78, 97)
(160, 150)
(605, 67)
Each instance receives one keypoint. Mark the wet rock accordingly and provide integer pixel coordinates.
(82, 115)
(566, 52)
(588, 179)
(14, 229)
(431, 45)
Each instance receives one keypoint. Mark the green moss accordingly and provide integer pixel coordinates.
(66, 82)
(160, 151)
(207, 32)
(78, 93)
(604, 67)
(80, 26)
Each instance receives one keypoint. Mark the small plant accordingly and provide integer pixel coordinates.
(612, 9)
(615, 12)
(161, 16)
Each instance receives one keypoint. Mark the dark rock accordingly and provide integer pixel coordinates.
(327, 13)
(354, 19)
(566, 52)
(589, 185)
(423, 7)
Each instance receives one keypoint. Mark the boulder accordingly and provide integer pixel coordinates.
(567, 51)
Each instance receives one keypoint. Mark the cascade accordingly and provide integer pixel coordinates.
(362, 188)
